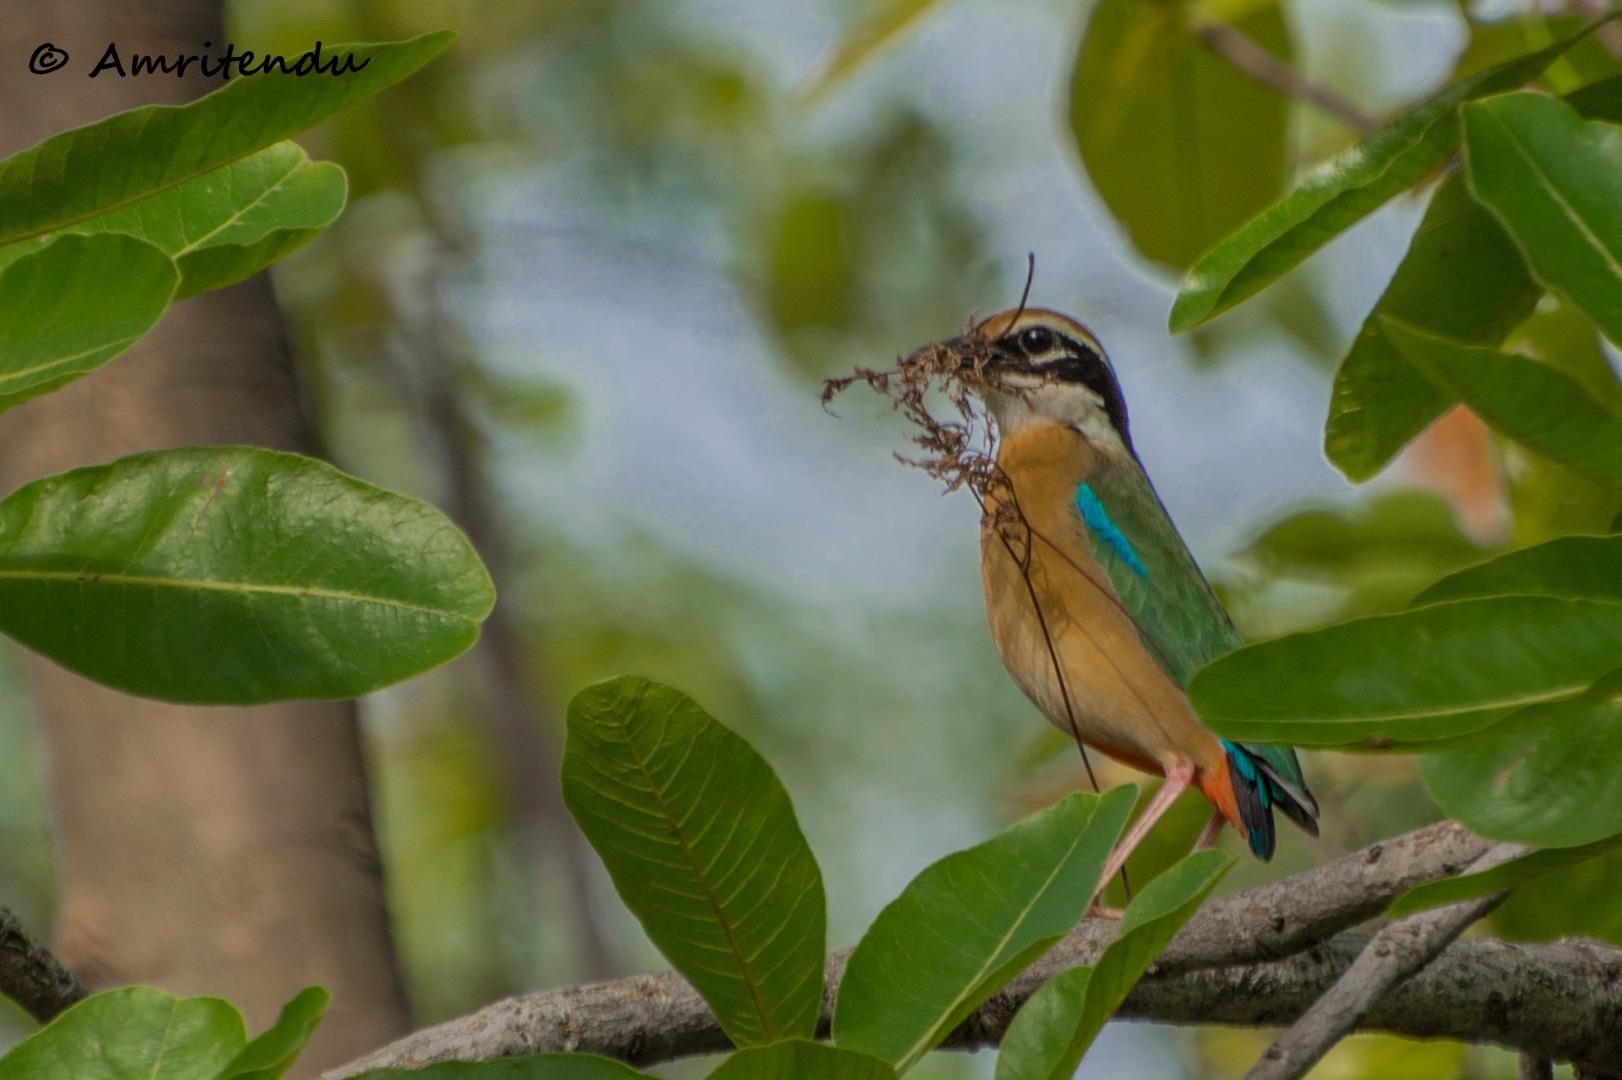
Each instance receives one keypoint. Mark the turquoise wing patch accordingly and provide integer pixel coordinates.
(1098, 520)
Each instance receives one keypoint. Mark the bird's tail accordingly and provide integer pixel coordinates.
(1260, 778)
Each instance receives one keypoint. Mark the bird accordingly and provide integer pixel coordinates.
(1096, 606)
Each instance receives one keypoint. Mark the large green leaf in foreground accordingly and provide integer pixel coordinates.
(228, 224)
(972, 921)
(1416, 676)
(1539, 406)
(1580, 567)
(140, 1032)
(1554, 180)
(1341, 191)
(235, 575)
(1550, 779)
(72, 306)
(1053, 1029)
(134, 155)
(703, 846)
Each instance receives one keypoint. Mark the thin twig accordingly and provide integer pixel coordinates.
(31, 976)
(1253, 60)
(1399, 951)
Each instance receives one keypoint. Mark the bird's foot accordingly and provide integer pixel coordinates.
(1097, 910)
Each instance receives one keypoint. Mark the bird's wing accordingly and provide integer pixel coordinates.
(1180, 620)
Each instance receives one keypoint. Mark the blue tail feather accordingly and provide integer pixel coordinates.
(1257, 791)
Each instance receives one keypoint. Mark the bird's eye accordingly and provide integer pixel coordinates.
(1036, 341)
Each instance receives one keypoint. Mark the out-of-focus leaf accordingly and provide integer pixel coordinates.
(1538, 406)
(1053, 1029)
(798, 1059)
(1462, 278)
(1340, 192)
(1579, 567)
(231, 223)
(269, 1056)
(1181, 146)
(1430, 673)
(970, 922)
(810, 272)
(1501, 878)
(235, 575)
(1601, 100)
(703, 846)
(1551, 780)
(881, 24)
(134, 155)
(1329, 543)
(135, 1031)
(1554, 181)
(1493, 41)
(528, 1067)
(72, 306)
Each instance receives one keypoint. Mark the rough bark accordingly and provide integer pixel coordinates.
(31, 976)
(1393, 956)
(226, 851)
(1240, 960)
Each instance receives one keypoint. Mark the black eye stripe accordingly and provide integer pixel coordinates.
(1075, 362)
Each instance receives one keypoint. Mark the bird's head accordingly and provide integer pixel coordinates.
(1039, 366)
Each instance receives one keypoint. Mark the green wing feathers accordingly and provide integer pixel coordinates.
(1182, 624)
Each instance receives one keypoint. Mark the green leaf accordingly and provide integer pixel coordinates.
(1412, 677)
(1554, 181)
(1537, 405)
(1181, 145)
(136, 1031)
(1600, 100)
(797, 1059)
(72, 306)
(1342, 191)
(1501, 878)
(972, 921)
(235, 575)
(1579, 567)
(1053, 1029)
(114, 163)
(1462, 278)
(231, 223)
(528, 1067)
(1550, 780)
(704, 848)
(269, 1056)
(880, 25)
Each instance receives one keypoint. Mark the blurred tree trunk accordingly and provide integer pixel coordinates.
(205, 850)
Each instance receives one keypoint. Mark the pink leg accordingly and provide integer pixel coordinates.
(1212, 830)
(1177, 780)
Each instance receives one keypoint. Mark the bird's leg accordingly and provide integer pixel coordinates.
(1178, 777)
(1213, 829)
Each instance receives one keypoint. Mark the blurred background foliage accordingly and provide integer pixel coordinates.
(596, 261)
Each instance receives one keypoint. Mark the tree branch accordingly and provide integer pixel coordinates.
(1400, 950)
(1259, 957)
(1267, 69)
(31, 976)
